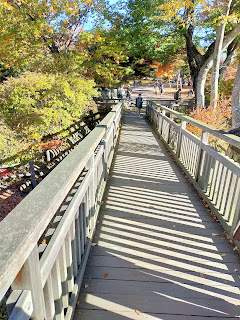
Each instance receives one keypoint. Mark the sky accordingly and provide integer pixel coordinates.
(90, 23)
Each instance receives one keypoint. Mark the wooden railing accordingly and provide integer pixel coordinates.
(215, 176)
(45, 240)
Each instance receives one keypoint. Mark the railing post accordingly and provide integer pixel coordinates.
(32, 172)
(92, 191)
(236, 209)
(200, 160)
(179, 144)
(29, 278)
(163, 114)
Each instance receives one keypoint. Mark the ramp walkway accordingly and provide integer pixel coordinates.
(156, 253)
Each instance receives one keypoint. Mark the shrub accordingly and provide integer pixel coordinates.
(219, 117)
(36, 104)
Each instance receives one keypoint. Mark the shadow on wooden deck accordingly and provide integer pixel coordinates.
(157, 254)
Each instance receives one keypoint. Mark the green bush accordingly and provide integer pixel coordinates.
(36, 104)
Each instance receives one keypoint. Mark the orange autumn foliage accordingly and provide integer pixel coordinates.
(219, 118)
(169, 69)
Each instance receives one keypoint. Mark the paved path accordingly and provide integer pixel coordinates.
(157, 254)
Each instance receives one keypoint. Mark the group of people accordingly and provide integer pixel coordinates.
(128, 93)
(122, 93)
(158, 86)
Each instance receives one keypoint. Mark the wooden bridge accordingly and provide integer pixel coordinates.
(136, 237)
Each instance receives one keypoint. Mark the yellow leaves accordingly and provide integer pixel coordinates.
(7, 5)
(137, 312)
(223, 255)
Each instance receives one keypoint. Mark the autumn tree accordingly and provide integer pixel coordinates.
(189, 19)
(235, 102)
(142, 33)
(33, 30)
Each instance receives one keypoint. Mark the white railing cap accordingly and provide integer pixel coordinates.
(22, 228)
(228, 137)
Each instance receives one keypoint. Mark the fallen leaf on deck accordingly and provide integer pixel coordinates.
(223, 255)
(235, 248)
(238, 276)
(151, 207)
(106, 275)
(170, 248)
(94, 237)
(215, 234)
(137, 312)
(77, 304)
(79, 312)
(202, 275)
(86, 285)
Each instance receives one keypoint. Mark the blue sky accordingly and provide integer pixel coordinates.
(89, 24)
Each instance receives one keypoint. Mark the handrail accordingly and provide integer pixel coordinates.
(21, 230)
(215, 176)
(228, 137)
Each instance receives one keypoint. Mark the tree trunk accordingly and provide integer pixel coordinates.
(216, 57)
(216, 65)
(207, 60)
(236, 101)
(230, 53)
(201, 80)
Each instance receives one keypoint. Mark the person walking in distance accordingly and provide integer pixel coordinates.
(129, 91)
(139, 103)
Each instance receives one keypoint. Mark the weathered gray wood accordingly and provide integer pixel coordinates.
(156, 247)
(230, 138)
(109, 315)
(232, 193)
(32, 171)
(119, 304)
(29, 278)
(49, 299)
(78, 238)
(31, 217)
(57, 290)
(52, 250)
(64, 275)
(69, 262)
(74, 248)
(12, 300)
(24, 307)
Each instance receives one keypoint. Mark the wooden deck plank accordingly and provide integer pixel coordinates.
(142, 274)
(156, 248)
(112, 261)
(146, 304)
(132, 315)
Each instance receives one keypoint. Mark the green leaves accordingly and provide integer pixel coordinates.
(44, 103)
